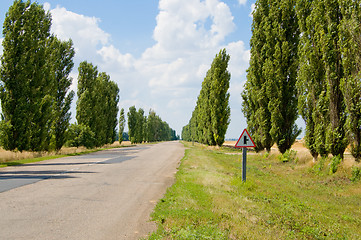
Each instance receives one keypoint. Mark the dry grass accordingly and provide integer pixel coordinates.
(8, 156)
(304, 156)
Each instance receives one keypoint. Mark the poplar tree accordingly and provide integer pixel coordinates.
(140, 126)
(132, 124)
(61, 63)
(332, 56)
(281, 72)
(270, 94)
(86, 94)
(121, 125)
(97, 105)
(350, 42)
(311, 84)
(255, 101)
(211, 116)
(219, 96)
(25, 90)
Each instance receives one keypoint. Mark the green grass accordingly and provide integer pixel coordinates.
(279, 200)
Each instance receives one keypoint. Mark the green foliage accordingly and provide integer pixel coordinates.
(61, 64)
(136, 125)
(150, 129)
(211, 116)
(335, 162)
(289, 156)
(35, 79)
(97, 105)
(356, 174)
(121, 125)
(132, 123)
(80, 135)
(269, 97)
(255, 101)
(350, 30)
(26, 87)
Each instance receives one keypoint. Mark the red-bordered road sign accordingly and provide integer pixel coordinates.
(245, 140)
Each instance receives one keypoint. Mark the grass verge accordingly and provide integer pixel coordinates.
(280, 200)
(8, 158)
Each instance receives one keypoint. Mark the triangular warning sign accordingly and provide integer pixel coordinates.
(245, 140)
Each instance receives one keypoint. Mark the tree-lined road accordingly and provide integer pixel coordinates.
(104, 195)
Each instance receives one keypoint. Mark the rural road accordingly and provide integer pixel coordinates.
(103, 195)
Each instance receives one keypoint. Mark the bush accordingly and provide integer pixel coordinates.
(289, 156)
(80, 135)
(335, 161)
(356, 174)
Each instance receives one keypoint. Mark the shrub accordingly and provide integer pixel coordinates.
(80, 135)
(289, 156)
(356, 174)
(335, 161)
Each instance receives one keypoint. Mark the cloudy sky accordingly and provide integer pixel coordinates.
(158, 52)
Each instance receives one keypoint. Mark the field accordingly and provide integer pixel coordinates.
(298, 199)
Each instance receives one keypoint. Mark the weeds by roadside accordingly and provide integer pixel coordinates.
(280, 200)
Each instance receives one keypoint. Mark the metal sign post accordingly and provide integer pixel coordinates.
(244, 164)
(244, 142)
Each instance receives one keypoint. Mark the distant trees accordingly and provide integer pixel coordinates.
(35, 81)
(121, 125)
(211, 116)
(148, 129)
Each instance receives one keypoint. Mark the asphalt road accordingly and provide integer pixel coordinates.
(104, 195)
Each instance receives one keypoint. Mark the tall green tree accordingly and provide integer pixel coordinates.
(153, 125)
(255, 101)
(25, 89)
(219, 97)
(60, 63)
(350, 30)
(270, 101)
(132, 124)
(87, 80)
(140, 127)
(311, 82)
(281, 72)
(211, 116)
(121, 125)
(97, 105)
(332, 56)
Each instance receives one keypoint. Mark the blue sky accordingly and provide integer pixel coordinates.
(158, 52)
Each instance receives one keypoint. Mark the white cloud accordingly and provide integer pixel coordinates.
(168, 75)
(253, 7)
(83, 30)
(242, 2)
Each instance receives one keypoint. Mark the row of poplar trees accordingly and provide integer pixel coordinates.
(305, 59)
(35, 82)
(149, 128)
(211, 116)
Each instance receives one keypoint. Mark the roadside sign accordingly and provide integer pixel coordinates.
(245, 140)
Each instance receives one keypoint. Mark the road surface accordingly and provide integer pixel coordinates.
(104, 195)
